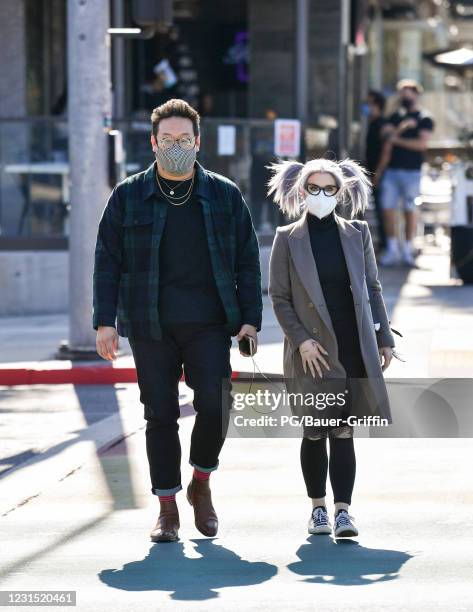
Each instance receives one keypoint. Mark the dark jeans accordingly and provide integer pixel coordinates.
(204, 351)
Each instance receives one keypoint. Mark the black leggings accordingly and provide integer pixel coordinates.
(341, 466)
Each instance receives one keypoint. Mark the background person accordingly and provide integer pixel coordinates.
(374, 107)
(407, 132)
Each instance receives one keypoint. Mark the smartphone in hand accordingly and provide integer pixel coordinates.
(247, 345)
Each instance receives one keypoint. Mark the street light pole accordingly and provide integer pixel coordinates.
(89, 110)
(302, 59)
(343, 126)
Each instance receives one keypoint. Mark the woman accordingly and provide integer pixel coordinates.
(326, 295)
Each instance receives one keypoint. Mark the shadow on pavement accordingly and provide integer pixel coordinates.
(345, 562)
(167, 568)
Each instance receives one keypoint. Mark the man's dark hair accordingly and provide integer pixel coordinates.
(175, 108)
(377, 98)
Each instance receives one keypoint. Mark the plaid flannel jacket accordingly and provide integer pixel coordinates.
(126, 268)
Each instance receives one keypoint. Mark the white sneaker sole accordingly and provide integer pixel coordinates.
(324, 530)
(346, 532)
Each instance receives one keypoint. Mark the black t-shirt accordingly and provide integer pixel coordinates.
(374, 143)
(187, 289)
(406, 158)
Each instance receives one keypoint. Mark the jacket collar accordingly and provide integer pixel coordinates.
(300, 228)
(202, 187)
(300, 246)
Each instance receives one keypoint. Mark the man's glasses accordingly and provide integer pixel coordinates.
(329, 190)
(185, 142)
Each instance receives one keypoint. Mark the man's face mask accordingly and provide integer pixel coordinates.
(407, 102)
(365, 109)
(175, 160)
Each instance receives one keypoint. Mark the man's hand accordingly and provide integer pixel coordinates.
(405, 124)
(311, 353)
(107, 342)
(248, 330)
(385, 356)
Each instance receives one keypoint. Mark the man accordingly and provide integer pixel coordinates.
(407, 133)
(177, 260)
(375, 104)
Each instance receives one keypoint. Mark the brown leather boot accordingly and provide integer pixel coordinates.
(167, 525)
(199, 496)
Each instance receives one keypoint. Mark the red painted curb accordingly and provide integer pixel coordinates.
(78, 375)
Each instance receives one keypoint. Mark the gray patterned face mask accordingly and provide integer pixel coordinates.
(176, 160)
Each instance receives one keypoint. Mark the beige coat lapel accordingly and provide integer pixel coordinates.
(301, 252)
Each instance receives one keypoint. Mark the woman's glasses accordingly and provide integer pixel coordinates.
(329, 190)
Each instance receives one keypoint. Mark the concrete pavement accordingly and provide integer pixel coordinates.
(88, 532)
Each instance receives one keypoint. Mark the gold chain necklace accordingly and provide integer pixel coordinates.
(186, 195)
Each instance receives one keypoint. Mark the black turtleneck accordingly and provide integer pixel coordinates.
(331, 265)
(335, 282)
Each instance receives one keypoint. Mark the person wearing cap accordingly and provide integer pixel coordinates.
(405, 134)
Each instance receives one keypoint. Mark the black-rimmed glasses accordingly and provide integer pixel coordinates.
(329, 190)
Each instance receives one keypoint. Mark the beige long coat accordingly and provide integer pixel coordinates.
(301, 310)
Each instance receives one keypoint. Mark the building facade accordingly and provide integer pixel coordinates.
(241, 63)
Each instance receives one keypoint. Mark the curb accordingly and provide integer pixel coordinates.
(87, 375)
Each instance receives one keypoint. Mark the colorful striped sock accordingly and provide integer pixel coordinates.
(198, 475)
(167, 498)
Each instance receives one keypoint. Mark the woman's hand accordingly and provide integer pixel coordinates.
(311, 353)
(385, 356)
(107, 342)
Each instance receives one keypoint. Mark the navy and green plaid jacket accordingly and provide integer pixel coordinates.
(126, 270)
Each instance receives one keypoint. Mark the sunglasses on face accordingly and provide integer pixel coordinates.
(329, 190)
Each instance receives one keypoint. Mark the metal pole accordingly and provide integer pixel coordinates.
(89, 105)
(118, 48)
(377, 77)
(302, 60)
(342, 77)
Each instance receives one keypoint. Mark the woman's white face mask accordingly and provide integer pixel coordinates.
(320, 205)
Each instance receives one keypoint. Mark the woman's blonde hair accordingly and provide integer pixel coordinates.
(290, 178)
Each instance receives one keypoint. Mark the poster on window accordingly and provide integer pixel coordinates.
(287, 137)
(226, 139)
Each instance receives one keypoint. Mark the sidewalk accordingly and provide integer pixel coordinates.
(432, 310)
(76, 508)
(30, 343)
